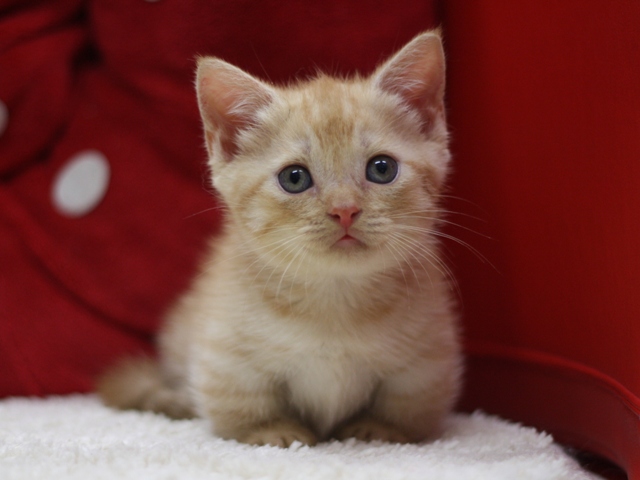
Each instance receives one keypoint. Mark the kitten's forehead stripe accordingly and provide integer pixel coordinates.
(328, 108)
(342, 122)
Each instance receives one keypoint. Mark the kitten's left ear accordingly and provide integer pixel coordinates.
(417, 74)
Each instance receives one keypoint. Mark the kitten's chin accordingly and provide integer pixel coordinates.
(348, 256)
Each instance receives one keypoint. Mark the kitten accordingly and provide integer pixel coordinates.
(323, 310)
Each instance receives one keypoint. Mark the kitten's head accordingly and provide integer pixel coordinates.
(331, 173)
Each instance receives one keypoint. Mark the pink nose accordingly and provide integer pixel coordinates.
(345, 215)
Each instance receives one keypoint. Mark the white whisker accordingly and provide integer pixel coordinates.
(436, 219)
(284, 272)
(252, 239)
(284, 247)
(401, 243)
(391, 247)
(217, 207)
(433, 258)
(411, 250)
(293, 281)
(437, 233)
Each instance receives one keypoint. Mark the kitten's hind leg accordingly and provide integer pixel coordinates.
(138, 384)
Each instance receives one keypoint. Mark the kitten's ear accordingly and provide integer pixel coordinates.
(229, 101)
(417, 74)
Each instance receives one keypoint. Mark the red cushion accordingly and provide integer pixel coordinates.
(116, 76)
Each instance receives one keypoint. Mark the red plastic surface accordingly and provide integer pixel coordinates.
(580, 406)
(544, 107)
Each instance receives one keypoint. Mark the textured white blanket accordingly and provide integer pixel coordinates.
(75, 437)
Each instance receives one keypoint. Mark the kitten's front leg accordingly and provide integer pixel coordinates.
(245, 406)
(409, 406)
(279, 433)
(367, 428)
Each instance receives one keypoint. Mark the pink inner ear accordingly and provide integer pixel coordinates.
(417, 74)
(229, 101)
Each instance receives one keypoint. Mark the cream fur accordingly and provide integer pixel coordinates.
(287, 334)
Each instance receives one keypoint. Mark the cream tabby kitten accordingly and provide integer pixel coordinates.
(323, 310)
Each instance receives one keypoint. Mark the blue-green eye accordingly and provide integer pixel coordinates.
(295, 179)
(382, 169)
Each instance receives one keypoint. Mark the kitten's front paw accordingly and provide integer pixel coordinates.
(369, 429)
(280, 434)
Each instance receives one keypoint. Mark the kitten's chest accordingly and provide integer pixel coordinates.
(329, 384)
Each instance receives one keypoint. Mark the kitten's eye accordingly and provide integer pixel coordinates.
(295, 179)
(382, 169)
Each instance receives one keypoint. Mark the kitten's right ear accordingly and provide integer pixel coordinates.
(229, 101)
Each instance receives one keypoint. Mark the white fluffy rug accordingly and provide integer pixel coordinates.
(75, 437)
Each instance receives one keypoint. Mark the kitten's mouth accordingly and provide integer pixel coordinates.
(347, 241)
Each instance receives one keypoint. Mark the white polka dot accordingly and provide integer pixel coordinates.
(81, 184)
(4, 117)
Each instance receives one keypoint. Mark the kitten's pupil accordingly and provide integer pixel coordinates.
(382, 169)
(295, 179)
